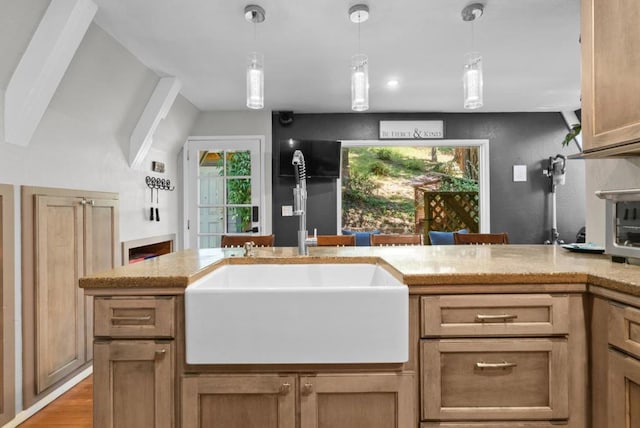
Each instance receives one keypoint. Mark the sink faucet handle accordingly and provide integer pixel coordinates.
(248, 248)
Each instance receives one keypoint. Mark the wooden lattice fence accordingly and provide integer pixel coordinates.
(450, 211)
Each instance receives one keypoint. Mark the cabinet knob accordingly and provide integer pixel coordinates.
(160, 353)
(285, 388)
(307, 389)
(83, 202)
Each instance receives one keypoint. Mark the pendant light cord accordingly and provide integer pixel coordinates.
(359, 20)
(473, 36)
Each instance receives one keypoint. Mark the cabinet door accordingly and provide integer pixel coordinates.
(494, 379)
(133, 384)
(100, 249)
(60, 324)
(610, 69)
(230, 401)
(624, 391)
(370, 400)
(7, 325)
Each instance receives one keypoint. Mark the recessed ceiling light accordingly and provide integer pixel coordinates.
(392, 83)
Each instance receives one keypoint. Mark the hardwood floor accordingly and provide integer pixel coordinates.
(73, 409)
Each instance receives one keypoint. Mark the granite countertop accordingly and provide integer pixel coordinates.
(416, 266)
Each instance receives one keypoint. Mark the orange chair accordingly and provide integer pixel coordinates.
(393, 239)
(336, 240)
(480, 238)
(229, 241)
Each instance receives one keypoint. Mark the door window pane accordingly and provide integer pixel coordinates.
(211, 164)
(238, 163)
(211, 220)
(211, 191)
(239, 191)
(238, 219)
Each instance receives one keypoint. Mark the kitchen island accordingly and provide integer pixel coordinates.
(498, 336)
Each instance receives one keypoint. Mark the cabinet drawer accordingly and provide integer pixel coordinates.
(495, 315)
(494, 379)
(136, 317)
(624, 328)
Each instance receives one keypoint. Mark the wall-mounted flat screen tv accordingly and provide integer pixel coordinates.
(321, 157)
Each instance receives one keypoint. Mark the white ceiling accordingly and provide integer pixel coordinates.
(530, 51)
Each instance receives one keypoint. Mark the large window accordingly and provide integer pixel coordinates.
(383, 183)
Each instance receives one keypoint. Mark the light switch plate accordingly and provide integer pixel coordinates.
(287, 210)
(519, 173)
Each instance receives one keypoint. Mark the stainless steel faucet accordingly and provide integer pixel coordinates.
(300, 204)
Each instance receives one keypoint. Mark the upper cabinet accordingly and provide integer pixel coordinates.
(610, 78)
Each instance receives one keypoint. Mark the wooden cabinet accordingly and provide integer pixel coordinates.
(366, 400)
(616, 361)
(624, 391)
(238, 401)
(491, 315)
(7, 324)
(495, 379)
(134, 362)
(610, 84)
(66, 234)
(136, 384)
(494, 360)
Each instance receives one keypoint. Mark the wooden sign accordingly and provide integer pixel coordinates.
(411, 129)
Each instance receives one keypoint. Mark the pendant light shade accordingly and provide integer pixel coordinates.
(359, 83)
(358, 14)
(255, 61)
(472, 81)
(255, 80)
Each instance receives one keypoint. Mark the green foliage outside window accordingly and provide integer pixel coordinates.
(239, 189)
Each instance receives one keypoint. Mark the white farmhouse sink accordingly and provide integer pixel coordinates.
(297, 313)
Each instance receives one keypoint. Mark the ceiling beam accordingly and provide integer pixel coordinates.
(43, 65)
(157, 108)
(571, 119)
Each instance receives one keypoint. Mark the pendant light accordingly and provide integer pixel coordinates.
(255, 62)
(472, 77)
(358, 14)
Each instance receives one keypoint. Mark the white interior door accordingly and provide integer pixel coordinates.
(224, 189)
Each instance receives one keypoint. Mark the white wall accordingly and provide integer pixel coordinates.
(82, 141)
(606, 174)
(226, 123)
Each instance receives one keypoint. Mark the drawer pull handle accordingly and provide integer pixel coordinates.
(502, 365)
(497, 317)
(284, 388)
(144, 318)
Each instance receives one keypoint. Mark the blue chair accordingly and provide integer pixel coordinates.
(363, 239)
(443, 238)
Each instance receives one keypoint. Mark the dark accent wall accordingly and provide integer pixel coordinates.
(522, 209)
